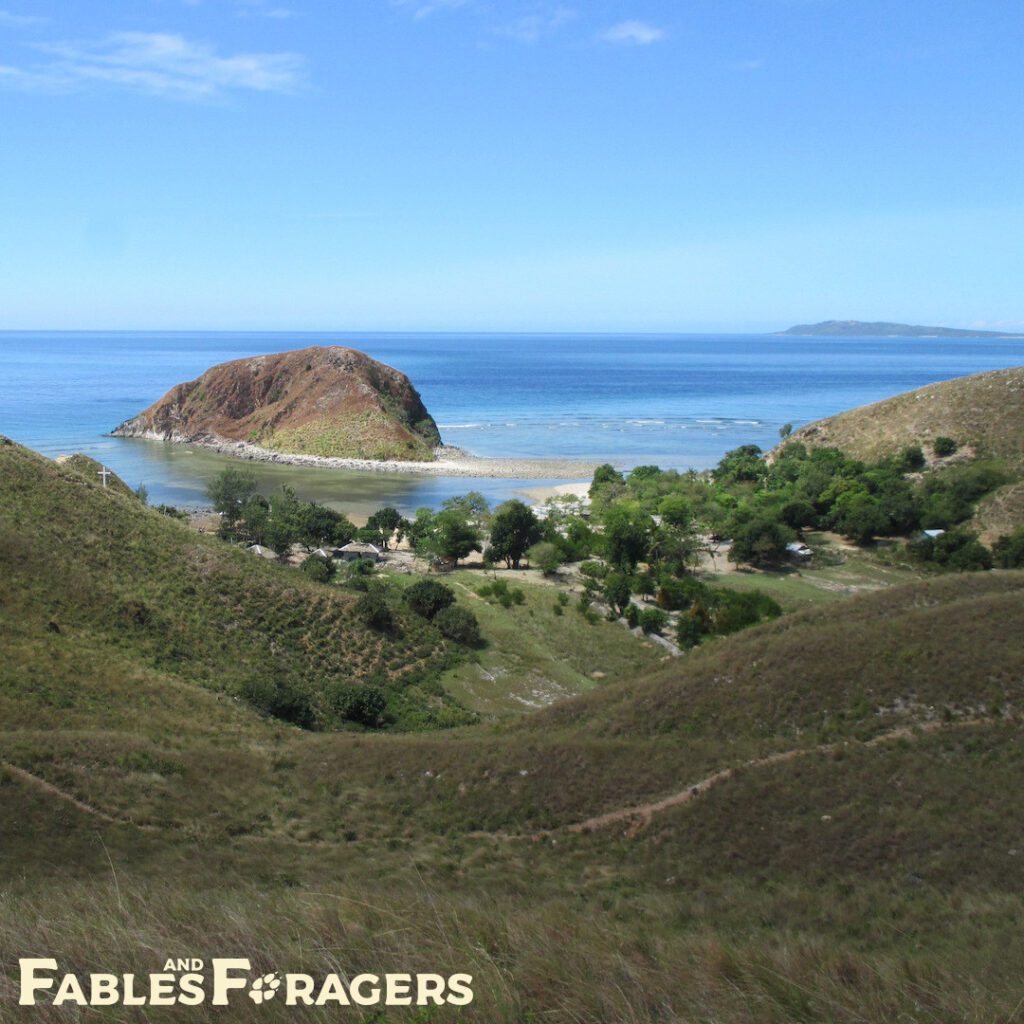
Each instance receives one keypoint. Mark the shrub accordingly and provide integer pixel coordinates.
(956, 550)
(517, 596)
(546, 556)
(943, 446)
(458, 624)
(356, 703)
(428, 597)
(690, 631)
(171, 512)
(1009, 550)
(373, 609)
(594, 570)
(318, 568)
(652, 620)
(280, 700)
(911, 459)
(632, 615)
(617, 592)
(737, 610)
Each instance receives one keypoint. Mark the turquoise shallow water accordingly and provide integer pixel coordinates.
(679, 400)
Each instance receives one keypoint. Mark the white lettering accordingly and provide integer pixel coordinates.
(223, 982)
(460, 992)
(430, 988)
(31, 983)
(298, 988)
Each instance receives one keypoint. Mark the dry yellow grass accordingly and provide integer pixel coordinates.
(984, 411)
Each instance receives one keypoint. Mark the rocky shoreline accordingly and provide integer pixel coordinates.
(448, 461)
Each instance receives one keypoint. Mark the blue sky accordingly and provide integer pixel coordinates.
(668, 165)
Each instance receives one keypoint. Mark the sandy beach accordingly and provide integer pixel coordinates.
(539, 495)
(450, 461)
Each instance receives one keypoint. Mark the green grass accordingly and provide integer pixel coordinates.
(797, 587)
(854, 882)
(535, 656)
(89, 568)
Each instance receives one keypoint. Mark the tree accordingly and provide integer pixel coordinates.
(785, 430)
(627, 531)
(1009, 550)
(317, 525)
(741, 464)
(958, 550)
(674, 548)
(759, 541)
(254, 519)
(652, 620)
(458, 624)
(605, 474)
(859, 516)
(383, 523)
(284, 527)
(617, 592)
(318, 568)
(911, 459)
(357, 702)
(428, 597)
(675, 511)
(546, 556)
(473, 505)
(421, 527)
(690, 631)
(514, 528)
(451, 535)
(229, 490)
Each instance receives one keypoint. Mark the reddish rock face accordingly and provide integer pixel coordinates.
(333, 402)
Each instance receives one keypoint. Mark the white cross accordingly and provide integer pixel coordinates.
(104, 472)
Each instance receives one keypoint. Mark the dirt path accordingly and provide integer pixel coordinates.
(641, 815)
(49, 788)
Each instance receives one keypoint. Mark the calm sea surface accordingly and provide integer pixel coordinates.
(679, 400)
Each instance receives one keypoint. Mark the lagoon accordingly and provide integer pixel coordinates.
(674, 400)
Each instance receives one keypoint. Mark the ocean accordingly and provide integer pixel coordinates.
(672, 400)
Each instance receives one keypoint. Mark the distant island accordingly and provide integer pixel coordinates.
(861, 329)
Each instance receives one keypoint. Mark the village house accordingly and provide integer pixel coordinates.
(359, 550)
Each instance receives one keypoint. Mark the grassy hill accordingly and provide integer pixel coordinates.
(325, 401)
(807, 821)
(984, 412)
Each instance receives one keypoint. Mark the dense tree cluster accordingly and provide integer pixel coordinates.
(279, 522)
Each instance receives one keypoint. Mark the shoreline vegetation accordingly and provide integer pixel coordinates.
(448, 461)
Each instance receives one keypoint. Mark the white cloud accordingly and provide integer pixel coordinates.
(747, 65)
(10, 20)
(161, 64)
(424, 8)
(530, 27)
(262, 9)
(634, 33)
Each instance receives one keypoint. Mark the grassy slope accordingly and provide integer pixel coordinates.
(535, 657)
(854, 883)
(984, 411)
(88, 569)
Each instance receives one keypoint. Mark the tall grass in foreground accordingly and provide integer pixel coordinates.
(530, 963)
